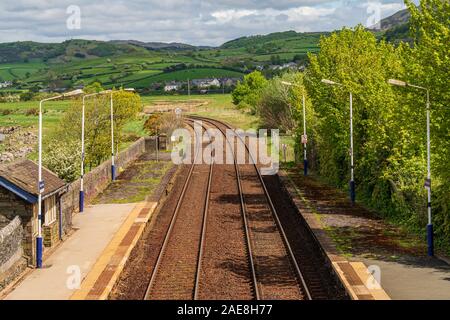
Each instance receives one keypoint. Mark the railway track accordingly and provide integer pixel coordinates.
(275, 272)
(226, 239)
(174, 273)
(178, 271)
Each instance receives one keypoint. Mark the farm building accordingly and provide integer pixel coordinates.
(172, 86)
(206, 83)
(19, 198)
(229, 82)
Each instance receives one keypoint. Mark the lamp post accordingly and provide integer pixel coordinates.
(81, 203)
(113, 168)
(430, 240)
(304, 138)
(352, 166)
(111, 92)
(41, 183)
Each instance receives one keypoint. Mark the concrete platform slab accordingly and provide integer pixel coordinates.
(74, 258)
(429, 280)
(383, 263)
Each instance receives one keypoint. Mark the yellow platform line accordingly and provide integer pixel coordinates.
(100, 280)
(370, 282)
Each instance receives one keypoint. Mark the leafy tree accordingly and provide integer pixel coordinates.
(362, 65)
(430, 67)
(98, 125)
(93, 88)
(279, 105)
(389, 122)
(247, 93)
(63, 158)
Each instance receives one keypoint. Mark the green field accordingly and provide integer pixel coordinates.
(219, 106)
(81, 62)
(25, 114)
(184, 75)
(138, 71)
(12, 71)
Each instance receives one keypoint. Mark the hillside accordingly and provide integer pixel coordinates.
(279, 43)
(65, 51)
(395, 28)
(156, 45)
(37, 66)
(399, 18)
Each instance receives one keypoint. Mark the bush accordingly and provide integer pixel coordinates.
(5, 112)
(26, 96)
(249, 90)
(32, 112)
(97, 123)
(64, 159)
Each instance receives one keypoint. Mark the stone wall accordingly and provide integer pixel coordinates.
(97, 180)
(51, 234)
(12, 206)
(11, 261)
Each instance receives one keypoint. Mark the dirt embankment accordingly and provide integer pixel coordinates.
(166, 106)
(16, 143)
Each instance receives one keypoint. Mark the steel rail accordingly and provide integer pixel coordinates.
(171, 225)
(203, 235)
(244, 217)
(272, 207)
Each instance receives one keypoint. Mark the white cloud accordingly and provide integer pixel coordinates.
(199, 22)
(225, 16)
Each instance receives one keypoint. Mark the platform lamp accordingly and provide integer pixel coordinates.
(352, 167)
(430, 240)
(41, 184)
(81, 204)
(111, 92)
(304, 138)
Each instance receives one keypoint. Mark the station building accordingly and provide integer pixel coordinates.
(19, 200)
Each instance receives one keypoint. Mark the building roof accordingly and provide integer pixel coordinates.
(21, 178)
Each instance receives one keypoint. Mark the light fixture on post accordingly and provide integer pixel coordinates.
(304, 136)
(113, 168)
(81, 202)
(352, 174)
(41, 183)
(111, 92)
(430, 240)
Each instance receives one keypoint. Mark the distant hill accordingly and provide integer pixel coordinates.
(23, 51)
(158, 45)
(65, 51)
(275, 41)
(397, 19)
(395, 28)
(143, 65)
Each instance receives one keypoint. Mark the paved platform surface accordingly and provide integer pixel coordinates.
(355, 234)
(397, 259)
(101, 279)
(410, 280)
(77, 255)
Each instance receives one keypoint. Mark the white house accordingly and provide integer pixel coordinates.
(5, 84)
(206, 83)
(173, 86)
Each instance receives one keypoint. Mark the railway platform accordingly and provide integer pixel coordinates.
(76, 257)
(355, 238)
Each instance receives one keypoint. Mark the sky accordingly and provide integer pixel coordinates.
(196, 22)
